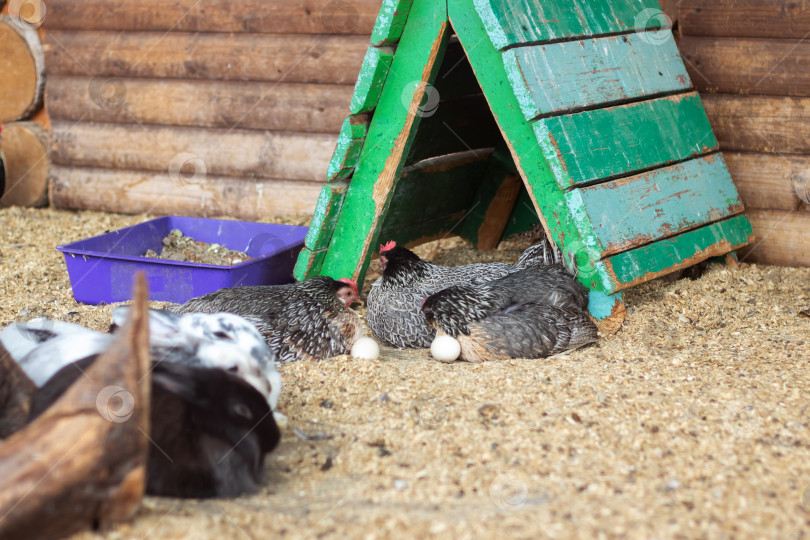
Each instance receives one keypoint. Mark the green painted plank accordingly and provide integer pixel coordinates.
(617, 215)
(326, 213)
(512, 22)
(390, 22)
(604, 143)
(553, 78)
(434, 189)
(388, 141)
(347, 150)
(308, 264)
(654, 260)
(371, 78)
(528, 157)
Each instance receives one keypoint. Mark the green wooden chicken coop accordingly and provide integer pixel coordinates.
(483, 117)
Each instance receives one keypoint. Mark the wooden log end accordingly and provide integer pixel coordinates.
(25, 146)
(23, 65)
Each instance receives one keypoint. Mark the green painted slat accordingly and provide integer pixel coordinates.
(373, 73)
(347, 151)
(390, 22)
(603, 143)
(648, 262)
(326, 213)
(389, 138)
(512, 22)
(617, 215)
(529, 158)
(553, 78)
(308, 264)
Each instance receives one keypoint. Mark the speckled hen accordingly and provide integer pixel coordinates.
(307, 320)
(395, 299)
(532, 313)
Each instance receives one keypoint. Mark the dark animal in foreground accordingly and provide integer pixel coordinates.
(307, 320)
(395, 299)
(531, 313)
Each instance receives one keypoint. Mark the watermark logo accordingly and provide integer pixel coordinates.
(509, 492)
(108, 92)
(430, 100)
(741, 419)
(115, 404)
(655, 18)
(188, 168)
(340, 17)
(30, 13)
(428, 411)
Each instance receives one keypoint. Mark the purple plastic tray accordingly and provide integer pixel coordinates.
(101, 268)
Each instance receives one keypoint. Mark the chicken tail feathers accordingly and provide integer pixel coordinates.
(542, 253)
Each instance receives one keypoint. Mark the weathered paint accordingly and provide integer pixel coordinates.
(347, 150)
(389, 138)
(528, 158)
(308, 263)
(390, 22)
(665, 256)
(512, 22)
(371, 79)
(549, 79)
(605, 143)
(621, 214)
(600, 305)
(327, 210)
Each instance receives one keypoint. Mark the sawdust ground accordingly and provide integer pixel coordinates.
(691, 422)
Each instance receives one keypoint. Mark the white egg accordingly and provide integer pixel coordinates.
(365, 348)
(445, 348)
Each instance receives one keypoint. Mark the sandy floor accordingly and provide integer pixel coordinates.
(691, 422)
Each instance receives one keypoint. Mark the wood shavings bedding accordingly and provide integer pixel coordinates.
(691, 422)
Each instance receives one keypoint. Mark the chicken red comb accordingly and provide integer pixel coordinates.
(390, 245)
(350, 283)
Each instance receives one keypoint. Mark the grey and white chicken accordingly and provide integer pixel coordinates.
(222, 340)
(394, 302)
(311, 319)
(532, 313)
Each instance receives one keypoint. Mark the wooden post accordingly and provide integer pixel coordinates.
(82, 464)
(25, 146)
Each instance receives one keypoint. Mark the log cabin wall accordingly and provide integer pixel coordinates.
(199, 107)
(751, 61)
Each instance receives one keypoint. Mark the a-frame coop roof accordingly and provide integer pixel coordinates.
(587, 101)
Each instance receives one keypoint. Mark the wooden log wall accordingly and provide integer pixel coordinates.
(24, 161)
(751, 62)
(199, 107)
